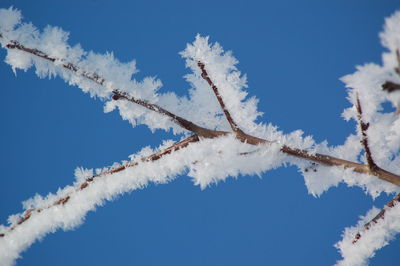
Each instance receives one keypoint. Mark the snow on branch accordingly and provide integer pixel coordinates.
(188, 125)
(376, 85)
(377, 218)
(374, 231)
(218, 119)
(228, 116)
(319, 158)
(364, 138)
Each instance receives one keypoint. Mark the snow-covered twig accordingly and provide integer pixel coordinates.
(299, 153)
(188, 125)
(228, 116)
(364, 137)
(91, 76)
(377, 218)
(219, 154)
(86, 183)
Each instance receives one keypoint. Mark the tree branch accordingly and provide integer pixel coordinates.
(327, 160)
(154, 157)
(91, 76)
(228, 116)
(364, 137)
(207, 133)
(377, 218)
(200, 131)
(389, 87)
(188, 125)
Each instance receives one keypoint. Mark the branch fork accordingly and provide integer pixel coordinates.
(198, 133)
(389, 87)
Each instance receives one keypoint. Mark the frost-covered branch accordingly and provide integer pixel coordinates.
(91, 76)
(389, 87)
(228, 116)
(372, 166)
(207, 133)
(364, 137)
(188, 125)
(220, 147)
(89, 180)
(372, 85)
(377, 218)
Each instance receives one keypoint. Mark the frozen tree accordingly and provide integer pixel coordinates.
(219, 135)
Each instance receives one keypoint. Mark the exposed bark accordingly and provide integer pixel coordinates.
(228, 116)
(188, 125)
(390, 86)
(364, 137)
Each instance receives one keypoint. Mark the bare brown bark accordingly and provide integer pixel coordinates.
(390, 86)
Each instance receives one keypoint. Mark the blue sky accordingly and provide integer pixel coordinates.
(293, 54)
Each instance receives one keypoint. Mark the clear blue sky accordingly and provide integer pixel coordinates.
(295, 48)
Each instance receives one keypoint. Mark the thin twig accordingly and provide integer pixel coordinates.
(364, 137)
(200, 132)
(228, 116)
(188, 125)
(371, 164)
(154, 157)
(380, 216)
(303, 154)
(91, 76)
